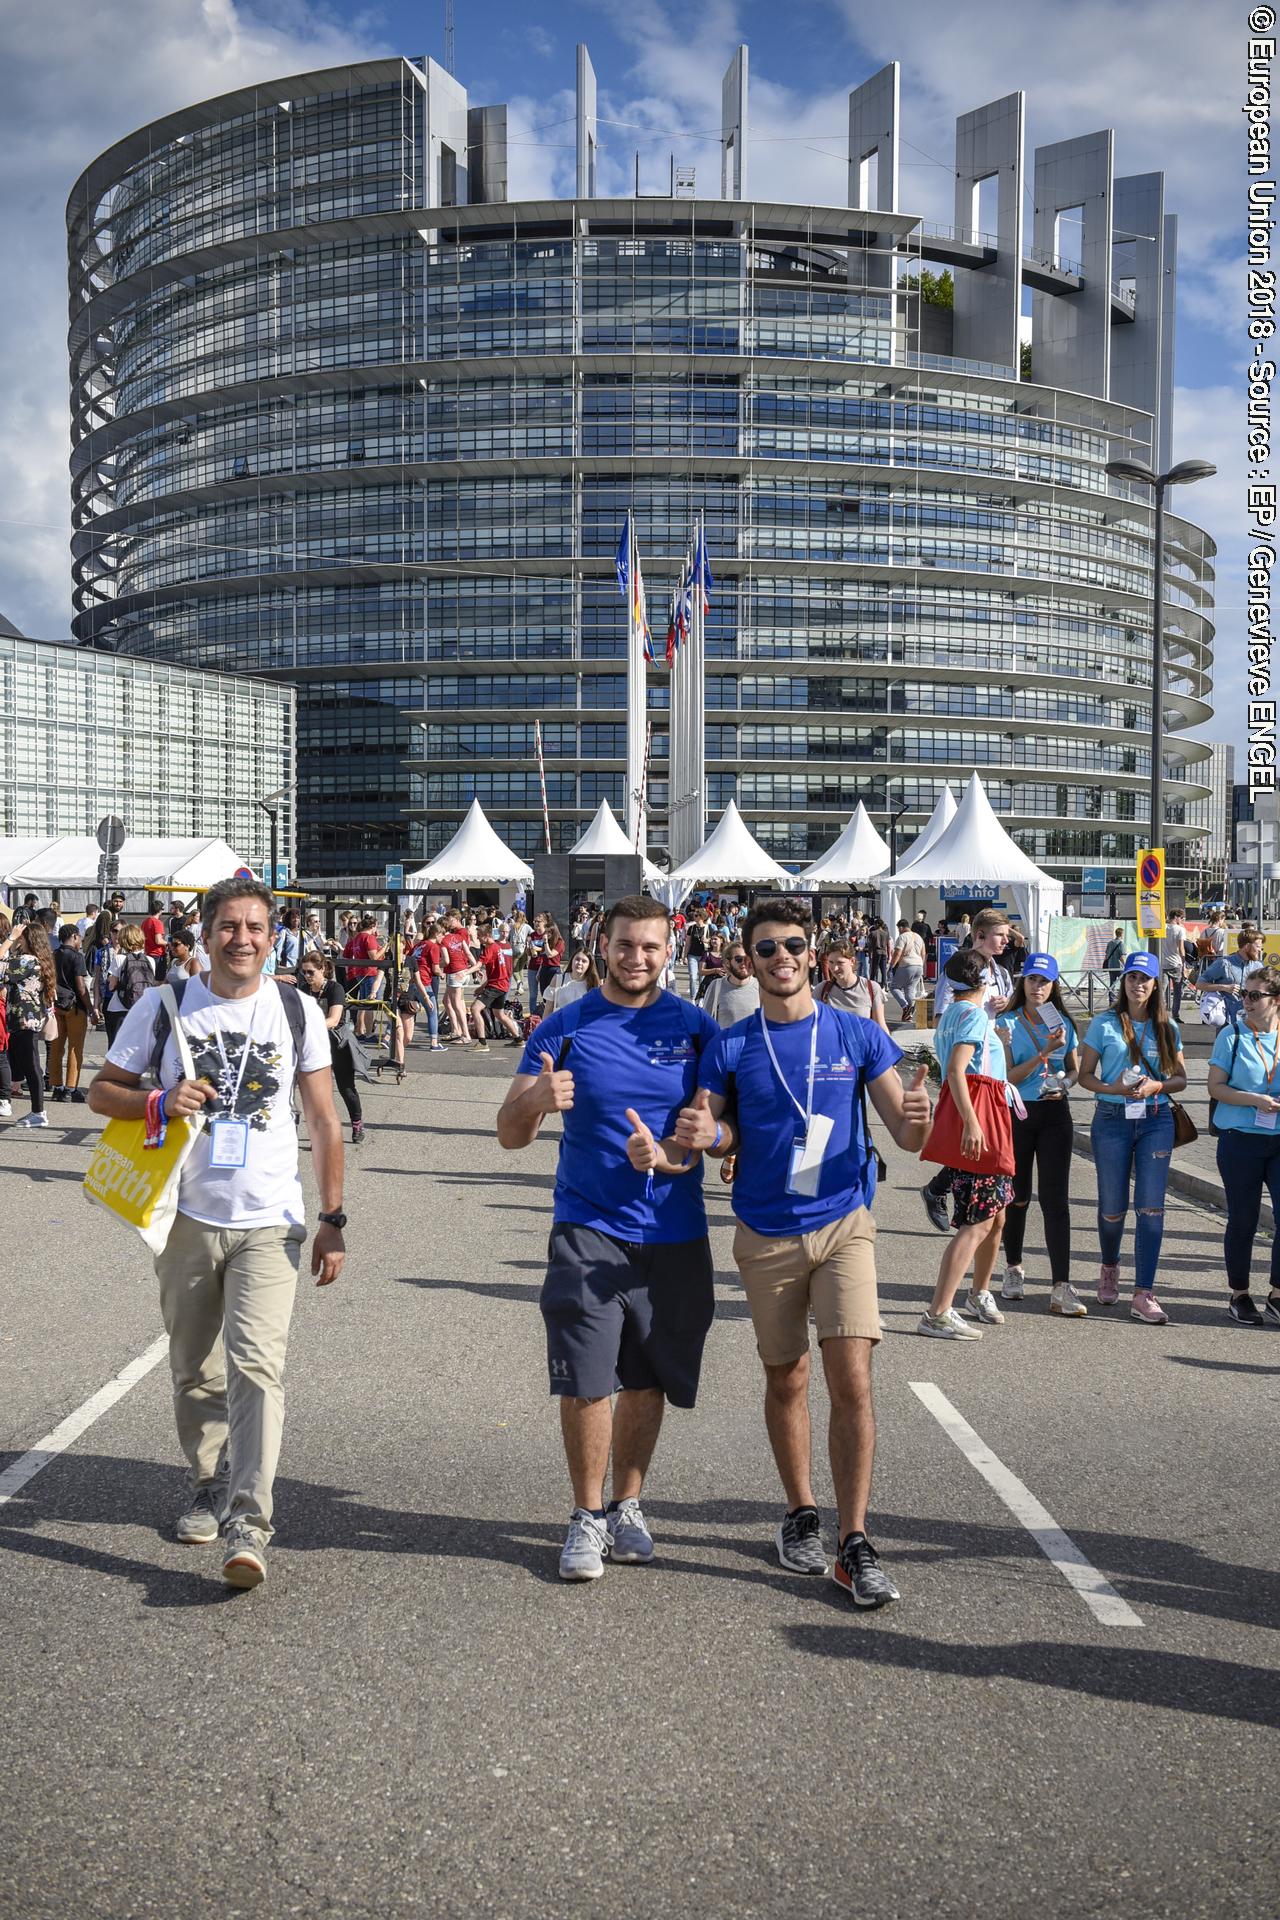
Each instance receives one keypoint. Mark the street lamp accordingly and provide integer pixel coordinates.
(1143, 476)
(270, 804)
(893, 836)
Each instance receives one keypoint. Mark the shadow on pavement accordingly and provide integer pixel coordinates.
(734, 1309)
(1218, 1366)
(1183, 1683)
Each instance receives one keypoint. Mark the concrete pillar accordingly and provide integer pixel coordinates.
(1137, 356)
(733, 129)
(487, 154)
(586, 120)
(988, 303)
(873, 132)
(1072, 331)
(445, 128)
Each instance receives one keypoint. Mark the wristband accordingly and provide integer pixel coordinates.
(719, 1137)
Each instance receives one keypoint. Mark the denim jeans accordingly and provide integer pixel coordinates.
(1173, 984)
(1247, 1162)
(1137, 1150)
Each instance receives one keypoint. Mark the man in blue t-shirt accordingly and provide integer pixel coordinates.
(786, 1095)
(628, 1298)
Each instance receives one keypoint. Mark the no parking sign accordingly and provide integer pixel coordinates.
(1151, 891)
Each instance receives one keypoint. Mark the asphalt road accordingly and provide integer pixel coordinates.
(415, 1716)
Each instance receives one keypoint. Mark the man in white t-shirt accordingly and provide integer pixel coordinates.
(229, 1269)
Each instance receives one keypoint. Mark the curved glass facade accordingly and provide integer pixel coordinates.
(384, 450)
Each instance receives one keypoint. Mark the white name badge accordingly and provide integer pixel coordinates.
(1265, 1120)
(228, 1143)
(1135, 1109)
(807, 1156)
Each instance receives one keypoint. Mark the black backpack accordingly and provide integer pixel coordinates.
(134, 978)
(293, 1013)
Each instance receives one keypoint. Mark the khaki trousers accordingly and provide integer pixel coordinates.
(226, 1295)
(73, 1023)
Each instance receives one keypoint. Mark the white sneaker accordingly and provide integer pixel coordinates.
(6, 1109)
(1066, 1301)
(947, 1326)
(1013, 1283)
(982, 1306)
(33, 1120)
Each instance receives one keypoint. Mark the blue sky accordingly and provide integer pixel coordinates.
(1167, 77)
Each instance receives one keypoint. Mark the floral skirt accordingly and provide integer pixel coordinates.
(978, 1196)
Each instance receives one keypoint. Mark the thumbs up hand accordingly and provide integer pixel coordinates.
(695, 1128)
(555, 1086)
(916, 1106)
(642, 1148)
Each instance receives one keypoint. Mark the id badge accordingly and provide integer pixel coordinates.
(808, 1154)
(1135, 1109)
(228, 1143)
(1267, 1121)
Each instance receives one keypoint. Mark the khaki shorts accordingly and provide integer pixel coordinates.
(832, 1271)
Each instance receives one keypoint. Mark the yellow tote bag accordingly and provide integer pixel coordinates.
(136, 1183)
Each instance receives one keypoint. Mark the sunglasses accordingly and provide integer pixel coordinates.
(795, 946)
(1254, 995)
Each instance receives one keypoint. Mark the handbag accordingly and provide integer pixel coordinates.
(1185, 1129)
(991, 1106)
(137, 1183)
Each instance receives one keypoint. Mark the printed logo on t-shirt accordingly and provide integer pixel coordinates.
(670, 1053)
(263, 1074)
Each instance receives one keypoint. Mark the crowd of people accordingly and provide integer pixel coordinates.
(769, 1065)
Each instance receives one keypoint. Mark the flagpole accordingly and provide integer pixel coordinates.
(635, 699)
(698, 697)
(542, 782)
(644, 780)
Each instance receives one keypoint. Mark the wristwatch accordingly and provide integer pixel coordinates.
(338, 1219)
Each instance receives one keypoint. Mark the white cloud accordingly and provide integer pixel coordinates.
(56, 112)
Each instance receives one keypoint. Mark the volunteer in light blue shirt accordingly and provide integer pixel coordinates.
(1039, 1042)
(784, 1092)
(1132, 1062)
(628, 1297)
(1244, 1081)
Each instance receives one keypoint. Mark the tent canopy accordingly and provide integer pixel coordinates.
(604, 838)
(856, 858)
(73, 862)
(975, 851)
(475, 857)
(934, 828)
(730, 857)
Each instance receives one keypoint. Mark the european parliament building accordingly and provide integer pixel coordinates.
(345, 414)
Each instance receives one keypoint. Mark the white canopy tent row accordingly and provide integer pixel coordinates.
(854, 862)
(728, 857)
(975, 851)
(69, 865)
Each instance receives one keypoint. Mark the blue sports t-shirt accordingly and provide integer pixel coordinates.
(1246, 1058)
(1026, 1037)
(620, 1057)
(1106, 1037)
(849, 1048)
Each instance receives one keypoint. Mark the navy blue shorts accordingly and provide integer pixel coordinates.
(622, 1314)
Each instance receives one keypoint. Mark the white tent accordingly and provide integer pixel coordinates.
(604, 837)
(475, 857)
(854, 860)
(16, 853)
(975, 851)
(934, 828)
(72, 863)
(728, 857)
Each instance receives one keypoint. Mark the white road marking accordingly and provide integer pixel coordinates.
(67, 1431)
(1057, 1547)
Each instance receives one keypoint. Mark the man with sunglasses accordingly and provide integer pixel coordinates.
(787, 1096)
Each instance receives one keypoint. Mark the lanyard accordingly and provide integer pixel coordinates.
(1031, 1029)
(805, 1112)
(244, 1057)
(1275, 1056)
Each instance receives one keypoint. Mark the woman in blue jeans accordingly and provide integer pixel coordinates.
(1132, 1060)
(1244, 1080)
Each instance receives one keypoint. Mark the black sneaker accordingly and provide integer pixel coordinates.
(57, 1093)
(1245, 1314)
(857, 1570)
(79, 1095)
(799, 1541)
(357, 1133)
(1271, 1311)
(936, 1207)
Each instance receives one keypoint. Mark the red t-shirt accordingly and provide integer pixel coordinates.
(429, 963)
(153, 936)
(496, 961)
(457, 951)
(361, 947)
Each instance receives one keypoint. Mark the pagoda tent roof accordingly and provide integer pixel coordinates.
(475, 857)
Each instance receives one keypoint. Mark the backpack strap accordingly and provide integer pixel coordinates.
(294, 1013)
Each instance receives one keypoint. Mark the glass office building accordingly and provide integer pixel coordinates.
(172, 753)
(346, 416)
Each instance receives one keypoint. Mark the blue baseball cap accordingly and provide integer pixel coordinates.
(1043, 965)
(1143, 963)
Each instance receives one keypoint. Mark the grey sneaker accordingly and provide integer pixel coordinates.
(585, 1546)
(627, 1533)
(935, 1205)
(982, 1306)
(947, 1326)
(201, 1521)
(1013, 1284)
(800, 1542)
(244, 1562)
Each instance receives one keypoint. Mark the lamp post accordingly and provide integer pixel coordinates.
(270, 804)
(1143, 476)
